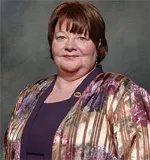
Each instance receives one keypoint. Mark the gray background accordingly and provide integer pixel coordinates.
(25, 51)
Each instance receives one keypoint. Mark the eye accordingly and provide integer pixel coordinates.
(60, 37)
(82, 38)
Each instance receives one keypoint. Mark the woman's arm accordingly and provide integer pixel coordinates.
(132, 125)
(7, 144)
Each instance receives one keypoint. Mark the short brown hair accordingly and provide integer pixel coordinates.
(84, 17)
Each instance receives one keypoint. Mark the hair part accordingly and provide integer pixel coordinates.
(81, 18)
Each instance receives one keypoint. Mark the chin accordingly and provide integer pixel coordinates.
(70, 68)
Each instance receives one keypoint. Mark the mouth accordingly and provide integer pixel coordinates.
(70, 56)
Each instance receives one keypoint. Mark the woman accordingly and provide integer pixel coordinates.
(81, 113)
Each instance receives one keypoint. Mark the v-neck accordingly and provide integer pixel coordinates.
(41, 105)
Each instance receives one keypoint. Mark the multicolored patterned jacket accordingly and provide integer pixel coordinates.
(110, 121)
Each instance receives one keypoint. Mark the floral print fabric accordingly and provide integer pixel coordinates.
(110, 121)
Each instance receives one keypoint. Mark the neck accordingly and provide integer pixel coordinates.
(70, 79)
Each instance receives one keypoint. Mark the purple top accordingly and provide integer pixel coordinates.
(38, 134)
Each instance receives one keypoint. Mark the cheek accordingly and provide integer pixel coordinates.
(55, 49)
(89, 50)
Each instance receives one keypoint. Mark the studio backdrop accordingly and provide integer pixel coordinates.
(25, 50)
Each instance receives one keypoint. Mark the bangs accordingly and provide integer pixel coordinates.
(75, 23)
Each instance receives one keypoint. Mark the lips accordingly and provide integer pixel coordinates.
(70, 56)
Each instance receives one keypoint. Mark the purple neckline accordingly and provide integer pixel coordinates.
(71, 101)
(86, 81)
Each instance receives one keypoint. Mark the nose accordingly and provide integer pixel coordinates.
(70, 45)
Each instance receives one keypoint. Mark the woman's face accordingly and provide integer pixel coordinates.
(73, 52)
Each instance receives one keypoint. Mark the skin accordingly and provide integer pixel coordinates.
(74, 56)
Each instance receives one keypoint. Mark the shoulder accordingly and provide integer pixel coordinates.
(120, 89)
(37, 85)
(118, 82)
(114, 82)
(33, 90)
(125, 95)
(121, 82)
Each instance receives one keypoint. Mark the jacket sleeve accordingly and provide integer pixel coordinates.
(7, 143)
(131, 125)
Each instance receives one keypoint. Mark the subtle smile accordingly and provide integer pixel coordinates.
(70, 56)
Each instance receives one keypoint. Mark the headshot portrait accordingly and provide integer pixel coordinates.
(75, 80)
